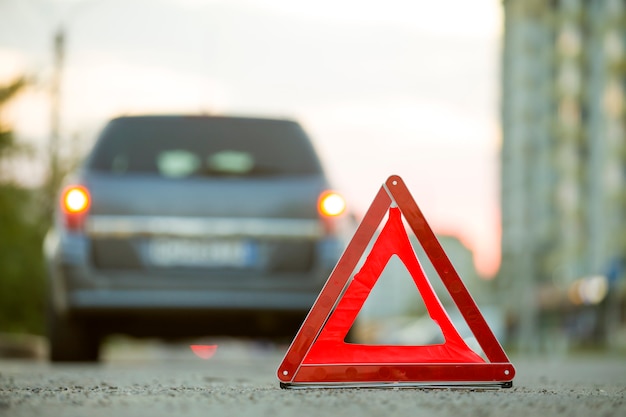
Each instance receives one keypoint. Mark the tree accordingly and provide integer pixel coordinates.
(22, 227)
(8, 145)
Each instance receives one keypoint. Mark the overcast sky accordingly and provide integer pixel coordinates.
(406, 87)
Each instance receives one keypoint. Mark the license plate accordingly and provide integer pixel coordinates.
(200, 253)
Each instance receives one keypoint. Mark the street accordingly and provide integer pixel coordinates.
(140, 379)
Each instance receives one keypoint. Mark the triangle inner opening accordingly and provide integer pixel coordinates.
(394, 312)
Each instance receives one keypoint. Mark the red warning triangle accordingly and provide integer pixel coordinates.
(319, 356)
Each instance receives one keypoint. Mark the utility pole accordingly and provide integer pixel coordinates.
(55, 114)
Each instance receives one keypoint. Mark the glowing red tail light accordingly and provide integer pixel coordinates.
(330, 207)
(204, 351)
(75, 203)
(331, 204)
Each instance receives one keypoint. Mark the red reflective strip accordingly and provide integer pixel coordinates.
(440, 261)
(330, 346)
(350, 373)
(334, 286)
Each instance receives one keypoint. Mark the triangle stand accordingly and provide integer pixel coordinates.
(319, 357)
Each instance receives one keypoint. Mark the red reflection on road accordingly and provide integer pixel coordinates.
(204, 351)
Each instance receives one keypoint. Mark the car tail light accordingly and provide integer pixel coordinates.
(331, 204)
(75, 202)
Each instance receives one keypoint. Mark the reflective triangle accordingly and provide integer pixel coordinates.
(319, 356)
(329, 347)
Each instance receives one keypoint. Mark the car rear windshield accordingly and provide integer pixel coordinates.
(204, 146)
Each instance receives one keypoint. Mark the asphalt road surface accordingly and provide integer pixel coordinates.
(152, 379)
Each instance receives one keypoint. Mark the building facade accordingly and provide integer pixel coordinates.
(563, 171)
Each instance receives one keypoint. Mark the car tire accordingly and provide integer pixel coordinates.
(70, 340)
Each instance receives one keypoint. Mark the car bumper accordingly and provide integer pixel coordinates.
(182, 314)
(101, 300)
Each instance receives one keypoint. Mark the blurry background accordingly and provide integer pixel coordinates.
(505, 119)
(563, 165)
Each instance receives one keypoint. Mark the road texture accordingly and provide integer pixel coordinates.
(239, 380)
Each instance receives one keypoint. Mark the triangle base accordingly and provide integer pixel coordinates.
(418, 374)
(395, 385)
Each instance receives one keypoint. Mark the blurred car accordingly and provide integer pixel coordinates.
(182, 226)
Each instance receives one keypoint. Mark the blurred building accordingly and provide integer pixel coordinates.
(563, 170)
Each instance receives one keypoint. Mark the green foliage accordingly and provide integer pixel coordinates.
(22, 283)
(8, 145)
(22, 226)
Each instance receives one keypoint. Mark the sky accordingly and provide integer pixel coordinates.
(406, 87)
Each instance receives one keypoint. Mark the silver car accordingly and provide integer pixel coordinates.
(181, 226)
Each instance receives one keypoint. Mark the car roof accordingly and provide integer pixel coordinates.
(202, 116)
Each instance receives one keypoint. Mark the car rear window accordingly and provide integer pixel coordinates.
(180, 147)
